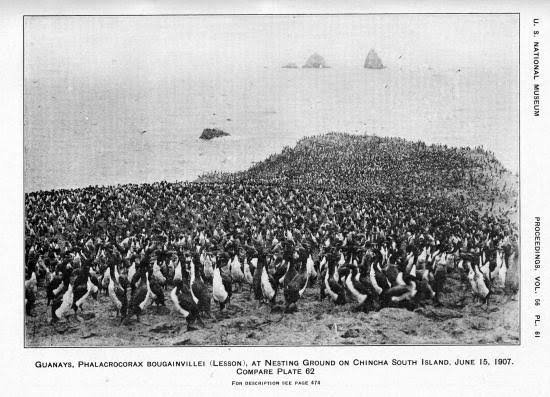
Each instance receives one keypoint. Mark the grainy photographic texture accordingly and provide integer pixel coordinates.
(271, 180)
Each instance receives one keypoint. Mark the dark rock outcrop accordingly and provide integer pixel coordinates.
(210, 133)
(373, 61)
(315, 61)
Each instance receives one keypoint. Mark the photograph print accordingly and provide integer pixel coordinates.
(271, 180)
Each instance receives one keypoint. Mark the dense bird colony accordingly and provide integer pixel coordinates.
(378, 222)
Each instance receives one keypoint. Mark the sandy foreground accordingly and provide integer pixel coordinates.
(459, 320)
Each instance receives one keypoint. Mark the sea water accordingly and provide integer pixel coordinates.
(80, 130)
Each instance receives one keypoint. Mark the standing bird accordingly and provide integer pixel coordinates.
(381, 279)
(156, 288)
(236, 272)
(439, 275)
(311, 269)
(116, 292)
(200, 291)
(290, 271)
(482, 285)
(105, 280)
(142, 297)
(221, 287)
(157, 275)
(295, 288)
(83, 287)
(54, 287)
(141, 269)
(393, 274)
(268, 283)
(178, 275)
(30, 291)
(185, 303)
(207, 266)
(401, 295)
(333, 289)
(374, 282)
(132, 271)
(471, 278)
(264, 284)
(280, 271)
(498, 275)
(362, 292)
(63, 296)
(248, 277)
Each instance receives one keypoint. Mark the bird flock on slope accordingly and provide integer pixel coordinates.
(375, 221)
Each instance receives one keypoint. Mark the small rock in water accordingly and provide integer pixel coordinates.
(315, 61)
(211, 133)
(373, 61)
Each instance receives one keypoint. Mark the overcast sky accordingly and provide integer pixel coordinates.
(111, 45)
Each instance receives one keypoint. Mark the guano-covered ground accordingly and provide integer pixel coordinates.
(458, 321)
